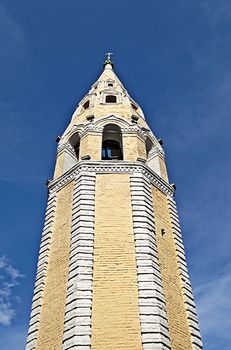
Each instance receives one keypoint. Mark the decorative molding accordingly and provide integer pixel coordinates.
(75, 128)
(111, 166)
(186, 285)
(110, 90)
(156, 152)
(126, 130)
(41, 272)
(152, 305)
(126, 127)
(134, 129)
(77, 323)
(112, 118)
(91, 127)
(65, 146)
(97, 126)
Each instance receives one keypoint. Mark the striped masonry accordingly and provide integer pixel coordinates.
(186, 285)
(78, 309)
(41, 272)
(152, 307)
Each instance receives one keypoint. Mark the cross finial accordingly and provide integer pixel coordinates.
(108, 60)
(109, 55)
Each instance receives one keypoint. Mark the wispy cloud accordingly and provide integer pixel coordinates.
(9, 278)
(12, 36)
(216, 11)
(214, 308)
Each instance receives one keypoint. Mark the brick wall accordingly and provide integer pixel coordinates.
(115, 313)
(53, 303)
(176, 312)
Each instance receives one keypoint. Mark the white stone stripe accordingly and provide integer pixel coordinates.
(78, 309)
(186, 285)
(152, 307)
(41, 272)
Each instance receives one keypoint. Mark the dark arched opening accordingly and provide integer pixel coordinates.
(112, 143)
(148, 145)
(75, 143)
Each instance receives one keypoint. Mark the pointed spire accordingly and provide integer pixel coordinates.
(108, 84)
(108, 61)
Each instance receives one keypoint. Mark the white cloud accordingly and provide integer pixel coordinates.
(214, 306)
(9, 278)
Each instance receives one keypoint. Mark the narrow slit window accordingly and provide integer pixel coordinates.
(134, 107)
(163, 232)
(148, 146)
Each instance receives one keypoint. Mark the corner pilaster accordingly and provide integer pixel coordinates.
(153, 317)
(186, 285)
(77, 323)
(41, 272)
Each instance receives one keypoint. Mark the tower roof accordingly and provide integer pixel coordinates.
(108, 92)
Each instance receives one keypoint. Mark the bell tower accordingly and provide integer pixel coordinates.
(112, 273)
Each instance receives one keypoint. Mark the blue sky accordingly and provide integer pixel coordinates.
(174, 57)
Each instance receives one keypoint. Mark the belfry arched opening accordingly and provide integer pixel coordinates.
(112, 148)
(75, 143)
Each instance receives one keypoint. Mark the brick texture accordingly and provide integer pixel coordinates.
(53, 304)
(133, 148)
(59, 165)
(177, 319)
(163, 169)
(91, 145)
(115, 314)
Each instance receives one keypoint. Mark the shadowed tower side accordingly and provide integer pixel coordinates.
(112, 272)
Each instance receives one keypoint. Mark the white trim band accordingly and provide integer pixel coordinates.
(77, 323)
(186, 285)
(152, 307)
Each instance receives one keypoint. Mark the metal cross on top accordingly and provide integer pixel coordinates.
(109, 55)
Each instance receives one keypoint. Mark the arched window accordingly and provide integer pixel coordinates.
(110, 99)
(110, 83)
(75, 143)
(149, 145)
(112, 143)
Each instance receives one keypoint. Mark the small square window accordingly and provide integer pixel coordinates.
(110, 99)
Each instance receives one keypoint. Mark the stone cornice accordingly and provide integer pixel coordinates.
(96, 128)
(91, 127)
(66, 146)
(156, 151)
(134, 129)
(111, 167)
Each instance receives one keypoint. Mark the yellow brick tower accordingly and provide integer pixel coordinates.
(111, 273)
